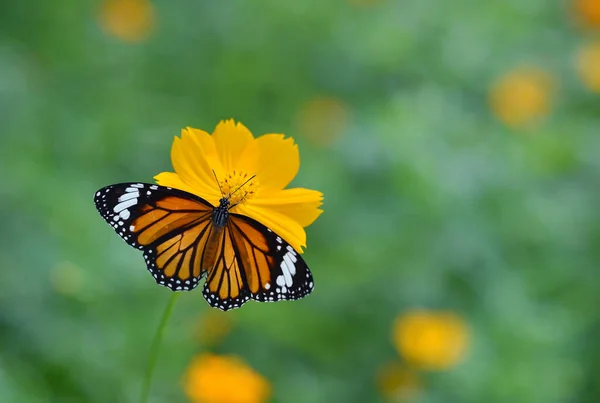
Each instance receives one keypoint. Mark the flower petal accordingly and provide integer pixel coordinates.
(194, 156)
(231, 140)
(299, 204)
(171, 179)
(278, 161)
(280, 224)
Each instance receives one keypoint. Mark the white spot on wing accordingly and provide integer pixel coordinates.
(291, 266)
(153, 187)
(138, 185)
(286, 273)
(280, 281)
(123, 205)
(129, 196)
(125, 214)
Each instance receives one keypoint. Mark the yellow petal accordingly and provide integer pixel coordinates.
(231, 140)
(278, 161)
(280, 224)
(171, 179)
(194, 157)
(299, 204)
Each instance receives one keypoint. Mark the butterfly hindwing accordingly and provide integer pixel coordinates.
(170, 226)
(225, 287)
(266, 267)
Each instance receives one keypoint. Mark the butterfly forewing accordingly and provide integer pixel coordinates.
(171, 228)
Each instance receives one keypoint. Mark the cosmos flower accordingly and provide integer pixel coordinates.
(253, 171)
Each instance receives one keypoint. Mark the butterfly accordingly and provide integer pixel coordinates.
(185, 238)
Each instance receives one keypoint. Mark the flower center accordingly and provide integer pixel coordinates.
(239, 186)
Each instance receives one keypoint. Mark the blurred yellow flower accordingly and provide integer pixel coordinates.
(430, 340)
(128, 20)
(397, 383)
(322, 120)
(587, 12)
(212, 378)
(588, 65)
(213, 327)
(521, 97)
(235, 156)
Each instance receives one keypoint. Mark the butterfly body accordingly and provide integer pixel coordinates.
(184, 238)
(221, 213)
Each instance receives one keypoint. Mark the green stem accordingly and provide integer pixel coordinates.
(154, 349)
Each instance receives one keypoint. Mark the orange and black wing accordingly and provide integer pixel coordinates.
(171, 227)
(255, 263)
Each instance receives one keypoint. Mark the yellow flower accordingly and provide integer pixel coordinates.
(254, 172)
(128, 20)
(397, 382)
(430, 340)
(588, 12)
(521, 97)
(212, 378)
(588, 65)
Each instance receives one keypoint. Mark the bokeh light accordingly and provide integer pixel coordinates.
(431, 340)
(212, 378)
(128, 20)
(522, 96)
(588, 65)
(587, 12)
(66, 278)
(322, 120)
(213, 327)
(398, 383)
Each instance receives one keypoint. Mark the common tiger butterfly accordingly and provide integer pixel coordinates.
(184, 238)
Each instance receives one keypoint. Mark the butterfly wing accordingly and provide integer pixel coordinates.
(170, 226)
(225, 287)
(243, 260)
(255, 263)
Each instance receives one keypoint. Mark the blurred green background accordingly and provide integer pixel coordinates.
(456, 142)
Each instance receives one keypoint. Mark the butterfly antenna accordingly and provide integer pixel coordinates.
(239, 187)
(218, 183)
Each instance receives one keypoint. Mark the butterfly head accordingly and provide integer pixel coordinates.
(224, 203)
